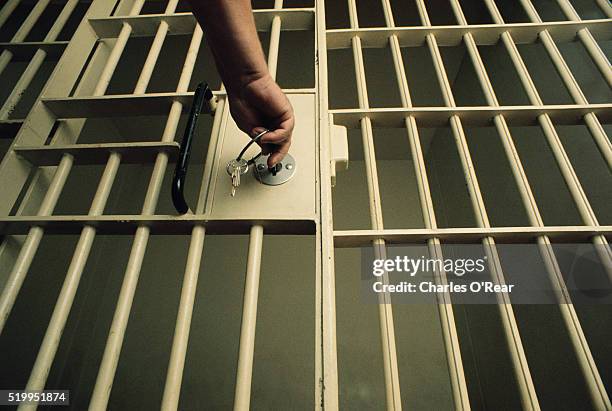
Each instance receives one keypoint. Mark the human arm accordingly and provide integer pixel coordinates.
(256, 101)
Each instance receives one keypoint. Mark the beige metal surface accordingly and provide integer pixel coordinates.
(50, 146)
(255, 201)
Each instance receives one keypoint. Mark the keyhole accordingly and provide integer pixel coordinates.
(276, 168)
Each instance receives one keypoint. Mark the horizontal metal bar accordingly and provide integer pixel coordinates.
(119, 105)
(58, 2)
(184, 23)
(131, 153)
(10, 128)
(25, 50)
(357, 238)
(472, 115)
(125, 105)
(484, 34)
(143, 25)
(158, 224)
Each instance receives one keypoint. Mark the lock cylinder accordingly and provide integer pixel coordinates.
(282, 172)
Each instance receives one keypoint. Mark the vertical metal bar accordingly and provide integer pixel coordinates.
(585, 36)
(36, 62)
(108, 366)
(32, 241)
(329, 381)
(385, 310)
(593, 124)
(174, 375)
(445, 308)
(595, 128)
(242, 395)
(63, 305)
(522, 373)
(24, 30)
(156, 47)
(605, 7)
(176, 365)
(571, 179)
(597, 390)
(7, 10)
(20, 269)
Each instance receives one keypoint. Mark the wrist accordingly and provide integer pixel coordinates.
(246, 79)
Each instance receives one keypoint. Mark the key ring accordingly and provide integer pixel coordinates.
(253, 140)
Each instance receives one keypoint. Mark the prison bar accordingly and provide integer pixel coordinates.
(531, 207)
(197, 224)
(571, 84)
(546, 124)
(112, 350)
(599, 396)
(385, 309)
(32, 241)
(116, 335)
(244, 372)
(26, 254)
(34, 65)
(528, 395)
(484, 34)
(587, 363)
(550, 133)
(14, 171)
(605, 7)
(159, 103)
(131, 153)
(445, 309)
(184, 23)
(7, 9)
(24, 30)
(51, 341)
(176, 364)
(472, 115)
(118, 105)
(63, 305)
(586, 36)
(25, 50)
(128, 223)
(327, 385)
(505, 235)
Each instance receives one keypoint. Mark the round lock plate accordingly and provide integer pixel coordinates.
(285, 170)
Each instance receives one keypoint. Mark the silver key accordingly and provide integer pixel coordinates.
(235, 168)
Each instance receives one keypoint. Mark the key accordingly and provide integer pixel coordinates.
(235, 168)
(275, 169)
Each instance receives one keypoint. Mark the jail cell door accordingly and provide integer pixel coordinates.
(461, 130)
(479, 122)
(127, 302)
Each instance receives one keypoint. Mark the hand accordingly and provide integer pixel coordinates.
(261, 104)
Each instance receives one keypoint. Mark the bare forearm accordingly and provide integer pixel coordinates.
(230, 31)
(256, 102)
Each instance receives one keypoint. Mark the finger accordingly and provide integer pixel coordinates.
(280, 134)
(277, 136)
(278, 155)
(267, 148)
(257, 130)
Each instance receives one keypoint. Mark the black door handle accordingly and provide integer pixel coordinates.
(202, 94)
